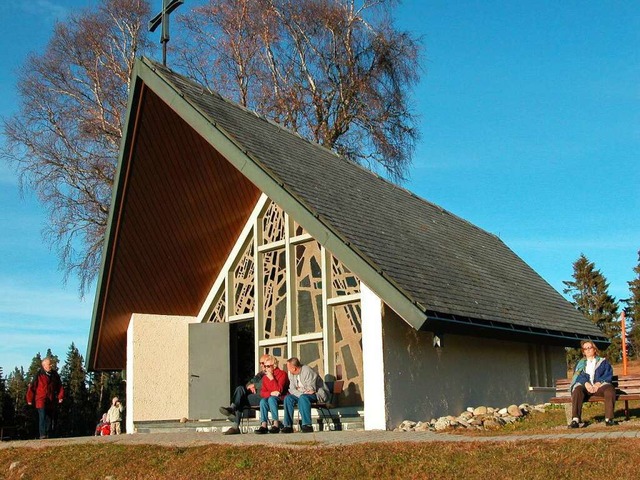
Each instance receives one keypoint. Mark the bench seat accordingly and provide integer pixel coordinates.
(627, 389)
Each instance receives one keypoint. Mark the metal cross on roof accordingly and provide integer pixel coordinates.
(168, 6)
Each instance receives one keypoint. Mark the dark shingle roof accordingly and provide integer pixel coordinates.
(440, 261)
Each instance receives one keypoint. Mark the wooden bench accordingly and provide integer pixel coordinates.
(627, 389)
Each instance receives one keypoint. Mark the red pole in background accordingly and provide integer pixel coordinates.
(624, 343)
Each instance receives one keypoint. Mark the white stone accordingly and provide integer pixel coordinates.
(405, 426)
(502, 411)
(514, 411)
(422, 427)
(463, 422)
(14, 465)
(480, 410)
(466, 415)
(442, 424)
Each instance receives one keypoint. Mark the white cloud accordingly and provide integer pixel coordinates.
(39, 301)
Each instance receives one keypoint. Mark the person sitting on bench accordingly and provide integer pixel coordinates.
(243, 397)
(274, 388)
(305, 388)
(592, 376)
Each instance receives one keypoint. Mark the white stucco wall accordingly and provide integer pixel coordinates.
(157, 368)
(423, 382)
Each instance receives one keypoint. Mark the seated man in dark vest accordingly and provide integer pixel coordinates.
(244, 396)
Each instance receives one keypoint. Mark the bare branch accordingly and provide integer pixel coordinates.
(64, 141)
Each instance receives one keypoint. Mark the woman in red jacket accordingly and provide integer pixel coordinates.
(47, 392)
(274, 388)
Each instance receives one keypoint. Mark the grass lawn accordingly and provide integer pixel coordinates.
(523, 460)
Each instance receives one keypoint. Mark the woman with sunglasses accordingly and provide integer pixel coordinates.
(275, 384)
(592, 376)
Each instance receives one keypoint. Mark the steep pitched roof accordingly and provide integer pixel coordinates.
(435, 269)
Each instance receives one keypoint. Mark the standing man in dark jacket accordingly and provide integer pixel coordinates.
(47, 392)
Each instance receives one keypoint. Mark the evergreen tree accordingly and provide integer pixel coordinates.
(2, 397)
(20, 414)
(633, 311)
(75, 418)
(103, 387)
(589, 291)
(54, 359)
(34, 368)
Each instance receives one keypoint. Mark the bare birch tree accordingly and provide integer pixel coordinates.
(65, 138)
(336, 71)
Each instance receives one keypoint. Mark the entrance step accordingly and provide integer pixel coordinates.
(347, 419)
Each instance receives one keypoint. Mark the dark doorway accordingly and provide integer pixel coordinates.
(242, 352)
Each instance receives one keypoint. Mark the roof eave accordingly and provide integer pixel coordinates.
(455, 324)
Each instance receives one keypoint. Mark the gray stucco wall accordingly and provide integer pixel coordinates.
(423, 382)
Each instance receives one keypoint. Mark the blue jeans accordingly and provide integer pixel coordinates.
(44, 422)
(304, 407)
(269, 405)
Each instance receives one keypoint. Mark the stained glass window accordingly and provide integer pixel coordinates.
(347, 322)
(310, 353)
(273, 224)
(243, 282)
(343, 281)
(308, 288)
(275, 294)
(219, 310)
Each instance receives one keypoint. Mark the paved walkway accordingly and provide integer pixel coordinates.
(316, 439)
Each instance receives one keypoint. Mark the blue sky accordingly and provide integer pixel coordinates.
(530, 121)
